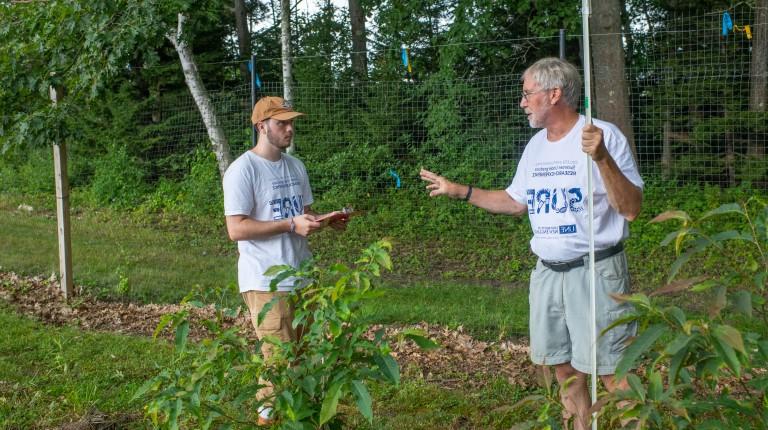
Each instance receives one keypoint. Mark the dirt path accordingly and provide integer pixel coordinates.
(462, 361)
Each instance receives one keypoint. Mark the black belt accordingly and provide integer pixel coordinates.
(564, 266)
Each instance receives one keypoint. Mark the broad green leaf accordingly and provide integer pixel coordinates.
(670, 237)
(182, 334)
(676, 363)
(330, 402)
(364, 402)
(728, 355)
(640, 345)
(678, 263)
(731, 235)
(637, 386)
(677, 315)
(309, 384)
(760, 280)
(724, 209)
(194, 399)
(388, 367)
(384, 260)
(679, 342)
(655, 386)
(265, 310)
(146, 386)
(423, 342)
(742, 302)
(730, 336)
(752, 265)
(280, 276)
(272, 340)
(274, 270)
(164, 321)
(718, 301)
(420, 338)
(334, 327)
(709, 366)
(638, 299)
(704, 286)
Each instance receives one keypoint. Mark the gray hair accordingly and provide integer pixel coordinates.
(553, 72)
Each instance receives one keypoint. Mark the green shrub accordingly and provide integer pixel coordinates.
(118, 179)
(35, 174)
(700, 370)
(201, 188)
(213, 383)
(197, 195)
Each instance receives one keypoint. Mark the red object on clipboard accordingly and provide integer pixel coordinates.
(343, 214)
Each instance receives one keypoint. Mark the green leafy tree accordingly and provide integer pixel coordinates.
(700, 369)
(213, 383)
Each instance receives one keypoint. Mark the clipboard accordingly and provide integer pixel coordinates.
(343, 214)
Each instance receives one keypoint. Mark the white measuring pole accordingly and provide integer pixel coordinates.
(586, 10)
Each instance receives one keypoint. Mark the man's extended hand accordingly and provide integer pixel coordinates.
(438, 185)
(592, 142)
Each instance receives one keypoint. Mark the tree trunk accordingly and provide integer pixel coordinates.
(219, 142)
(611, 94)
(285, 32)
(759, 68)
(359, 49)
(243, 37)
(758, 83)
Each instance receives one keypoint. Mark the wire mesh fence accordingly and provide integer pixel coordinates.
(689, 90)
(364, 142)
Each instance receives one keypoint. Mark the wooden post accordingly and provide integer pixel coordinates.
(62, 208)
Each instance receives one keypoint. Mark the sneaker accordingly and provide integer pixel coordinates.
(265, 422)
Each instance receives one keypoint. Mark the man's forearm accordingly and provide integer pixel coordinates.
(623, 195)
(244, 228)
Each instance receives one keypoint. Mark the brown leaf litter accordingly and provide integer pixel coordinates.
(460, 362)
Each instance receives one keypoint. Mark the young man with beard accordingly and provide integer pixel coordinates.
(267, 198)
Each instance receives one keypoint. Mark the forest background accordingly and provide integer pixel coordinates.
(688, 92)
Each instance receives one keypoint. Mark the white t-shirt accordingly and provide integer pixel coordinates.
(267, 191)
(551, 179)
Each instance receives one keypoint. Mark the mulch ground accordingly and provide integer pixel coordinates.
(461, 362)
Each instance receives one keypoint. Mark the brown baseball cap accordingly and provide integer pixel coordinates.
(273, 107)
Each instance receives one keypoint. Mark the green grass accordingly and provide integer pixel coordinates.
(162, 266)
(159, 265)
(52, 375)
(418, 405)
(486, 312)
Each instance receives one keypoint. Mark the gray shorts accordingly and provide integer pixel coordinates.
(560, 315)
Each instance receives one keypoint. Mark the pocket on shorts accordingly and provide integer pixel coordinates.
(612, 268)
(619, 337)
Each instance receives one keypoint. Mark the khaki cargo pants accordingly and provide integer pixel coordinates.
(277, 322)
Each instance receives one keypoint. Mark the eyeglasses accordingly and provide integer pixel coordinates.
(529, 93)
